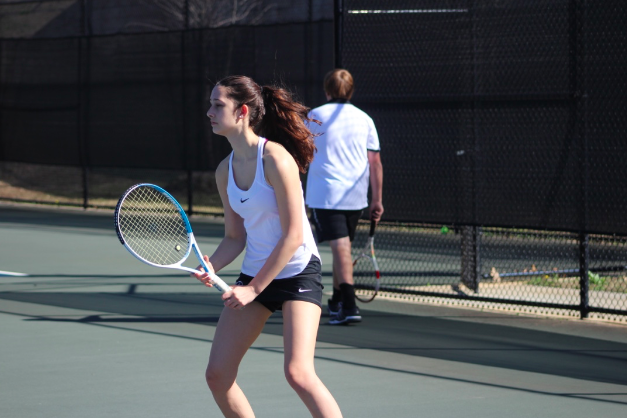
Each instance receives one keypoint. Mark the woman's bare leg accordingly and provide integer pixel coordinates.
(236, 332)
(300, 329)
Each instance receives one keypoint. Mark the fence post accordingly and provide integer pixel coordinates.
(84, 71)
(471, 234)
(1, 104)
(579, 129)
(187, 141)
(471, 256)
(584, 279)
(338, 14)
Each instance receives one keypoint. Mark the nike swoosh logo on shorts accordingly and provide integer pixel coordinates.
(304, 290)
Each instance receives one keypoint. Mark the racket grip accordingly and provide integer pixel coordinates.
(219, 284)
(373, 225)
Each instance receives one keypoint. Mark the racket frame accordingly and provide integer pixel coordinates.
(192, 245)
(368, 252)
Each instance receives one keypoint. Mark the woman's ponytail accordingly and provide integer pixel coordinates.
(284, 123)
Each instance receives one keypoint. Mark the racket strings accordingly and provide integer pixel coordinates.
(153, 227)
(366, 278)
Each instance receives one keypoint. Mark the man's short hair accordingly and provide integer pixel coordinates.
(339, 84)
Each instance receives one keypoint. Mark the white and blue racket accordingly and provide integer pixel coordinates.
(153, 227)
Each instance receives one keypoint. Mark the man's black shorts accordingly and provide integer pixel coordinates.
(334, 224)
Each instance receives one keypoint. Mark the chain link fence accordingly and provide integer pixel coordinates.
(98, 95)
(502, 127)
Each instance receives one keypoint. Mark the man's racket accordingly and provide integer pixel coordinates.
(366, 270)
(153, 227)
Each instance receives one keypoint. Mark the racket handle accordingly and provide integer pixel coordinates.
(373, 225)
(219, 284)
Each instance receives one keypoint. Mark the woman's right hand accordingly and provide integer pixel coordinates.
(204, 277)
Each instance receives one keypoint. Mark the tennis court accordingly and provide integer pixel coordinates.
(87, 330)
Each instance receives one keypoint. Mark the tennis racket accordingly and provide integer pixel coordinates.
(366, 270)
(153, 227)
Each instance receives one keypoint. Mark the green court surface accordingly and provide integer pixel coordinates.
(89, 331)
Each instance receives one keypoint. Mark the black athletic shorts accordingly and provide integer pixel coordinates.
(334, 224)
(306, 286)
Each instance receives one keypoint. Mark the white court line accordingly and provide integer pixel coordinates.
(12, 273)
(410, 11)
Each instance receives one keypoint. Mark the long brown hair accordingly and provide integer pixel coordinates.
(275, 115)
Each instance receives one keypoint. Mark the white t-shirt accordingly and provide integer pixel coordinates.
(339, 175)
(258, 208)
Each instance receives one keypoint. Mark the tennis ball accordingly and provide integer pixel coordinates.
(177, 248)
(444, 230)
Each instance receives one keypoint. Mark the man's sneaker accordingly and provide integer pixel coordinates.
(346, 316)
(333, 307)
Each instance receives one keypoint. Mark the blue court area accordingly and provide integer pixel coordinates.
(89, 331)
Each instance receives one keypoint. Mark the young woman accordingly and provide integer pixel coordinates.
(264, 212)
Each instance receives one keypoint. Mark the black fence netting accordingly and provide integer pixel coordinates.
(120, 89)
(496, 113)
(502, 127)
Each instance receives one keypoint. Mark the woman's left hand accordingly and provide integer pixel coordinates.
(239, 297)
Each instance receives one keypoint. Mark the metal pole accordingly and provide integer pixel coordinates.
(471, 234)
(476, 229)
(84, 62)
(1, 109)
(577, 73)
(184, 133)
(338, 15)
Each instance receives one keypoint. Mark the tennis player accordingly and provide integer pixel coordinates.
(264, 212)
(347, 161)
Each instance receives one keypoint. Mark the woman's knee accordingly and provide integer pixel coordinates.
(218, 380)
(300, 378)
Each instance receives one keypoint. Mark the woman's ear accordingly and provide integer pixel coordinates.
(243, 111)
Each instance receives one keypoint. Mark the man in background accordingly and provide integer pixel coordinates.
(347, 162)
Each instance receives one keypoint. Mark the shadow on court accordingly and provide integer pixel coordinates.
(482, 344)
(437, 348)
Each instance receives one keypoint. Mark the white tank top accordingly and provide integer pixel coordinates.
(258, 207)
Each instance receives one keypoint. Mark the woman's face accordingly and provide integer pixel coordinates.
(222, 113)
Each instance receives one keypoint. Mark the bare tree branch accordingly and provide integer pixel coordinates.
(204, 13)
